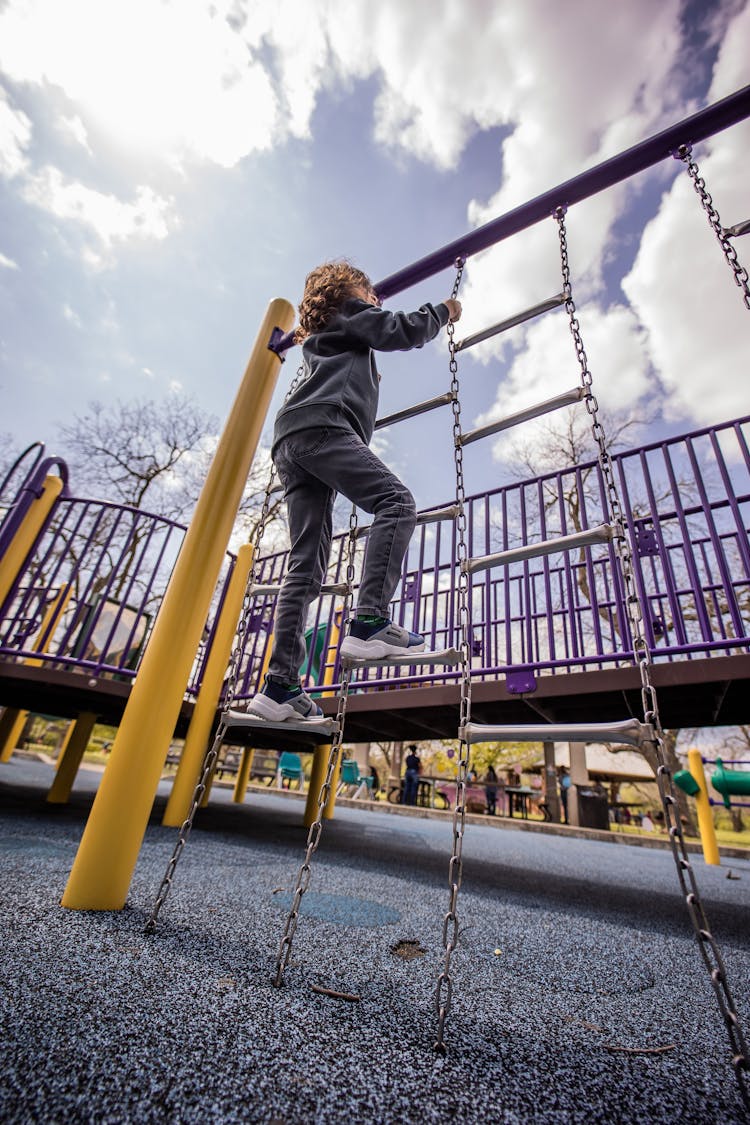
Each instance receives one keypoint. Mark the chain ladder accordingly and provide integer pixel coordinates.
(684, 153)
(229, 693)
(313, 837)
(444, 989)
(642, 656)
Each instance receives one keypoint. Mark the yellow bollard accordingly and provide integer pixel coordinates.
(14, 558)
(106, 858)
(72, 751)
(199, 732)
(703, 808)
(12, 729)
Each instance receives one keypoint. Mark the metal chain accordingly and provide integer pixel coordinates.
(684, 153)
(209, 762)
(444, 990)
(642, 657)
(313, 837)
(229, 693)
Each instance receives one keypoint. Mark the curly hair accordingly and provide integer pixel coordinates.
(326, 289)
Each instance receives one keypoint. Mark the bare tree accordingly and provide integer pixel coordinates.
(155, 456)
(141, 453)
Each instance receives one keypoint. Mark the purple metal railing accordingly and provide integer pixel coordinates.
(686, 503)
(15, 511)
(115, 563)
(687, 506)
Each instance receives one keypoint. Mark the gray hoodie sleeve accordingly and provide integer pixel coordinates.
(371, 327)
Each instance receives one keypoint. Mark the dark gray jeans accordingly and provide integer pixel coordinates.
(313, 466)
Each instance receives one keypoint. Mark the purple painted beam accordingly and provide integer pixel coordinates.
(713, 119)
(721, 115)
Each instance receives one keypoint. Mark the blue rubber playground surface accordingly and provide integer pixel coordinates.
(579, 990)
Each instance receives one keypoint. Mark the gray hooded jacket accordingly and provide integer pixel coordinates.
(340, 384)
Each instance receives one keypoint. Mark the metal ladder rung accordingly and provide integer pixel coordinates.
(275, 588)
(436, 515)
(567, 398)
(520, 318)
(602, 534)
(447, 656)
(737, 229)
(413, 411)
(630, 731)
(321, 726)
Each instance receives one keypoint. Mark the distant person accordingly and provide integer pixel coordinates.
(564, 788)
(375, 783)
(490, 790)
(647, 823)
(411, 777)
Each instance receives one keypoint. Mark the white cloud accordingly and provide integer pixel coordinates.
(547, 365)
(169, 78)
(108, 217)
(681, 285)
(7, 263)
(74, 128)
(569, 108)
(15, 136)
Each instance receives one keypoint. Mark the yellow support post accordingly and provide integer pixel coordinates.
(11, 732)
(106, 857)
(243, 775)
(330, 807)
(14, 558)
(703, 807)
(71, 753)
(321, 753)
(199, 732)
(11, 729)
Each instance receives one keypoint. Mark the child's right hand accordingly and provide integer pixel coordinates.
(454, 309)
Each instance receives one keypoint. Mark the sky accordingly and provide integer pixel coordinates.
(167, 167)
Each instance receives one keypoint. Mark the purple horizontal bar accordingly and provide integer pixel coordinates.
(721, 115)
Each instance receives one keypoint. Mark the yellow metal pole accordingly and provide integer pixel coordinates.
(11, 732)
(321, 753)
(71, 754)
(703, 807)
(336, 625)
(14, 558)
(243, 775)
(199, 733)
(11, 729)
(106, 858)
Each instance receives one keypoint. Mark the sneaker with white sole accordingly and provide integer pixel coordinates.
(280, 704)
(379, 638)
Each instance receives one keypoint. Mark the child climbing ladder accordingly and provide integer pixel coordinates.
(320, 447)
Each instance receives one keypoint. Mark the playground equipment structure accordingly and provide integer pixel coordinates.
(627, 617)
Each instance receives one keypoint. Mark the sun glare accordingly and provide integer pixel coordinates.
(163, 77)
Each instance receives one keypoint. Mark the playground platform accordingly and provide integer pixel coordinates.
(579, 990)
